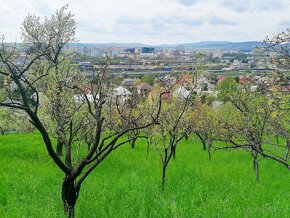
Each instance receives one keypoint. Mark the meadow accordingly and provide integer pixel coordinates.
(128, 183)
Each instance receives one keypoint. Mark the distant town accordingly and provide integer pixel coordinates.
(139, 67)
(217, 57)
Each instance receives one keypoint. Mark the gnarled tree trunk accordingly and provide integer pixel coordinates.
(164, 165)
(69, 196)
(256, 164)
(59, 147)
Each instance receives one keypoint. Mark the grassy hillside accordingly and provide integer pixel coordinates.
(127, 184)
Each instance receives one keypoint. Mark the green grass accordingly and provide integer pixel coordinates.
(127, 184)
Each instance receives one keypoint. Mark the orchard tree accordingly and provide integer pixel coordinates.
(90, 120)
(148, 78)
(173, 126)
(252, 108)
(204, 124)
(277, 50)
(258, 122)
(7, 121)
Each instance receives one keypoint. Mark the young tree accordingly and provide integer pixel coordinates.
(148, 78)
(277, 50)
(6, 123)
(204, 124)
(173, 127)
(259, 122)
(79, 113)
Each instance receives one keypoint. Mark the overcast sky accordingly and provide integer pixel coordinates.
(157, 21)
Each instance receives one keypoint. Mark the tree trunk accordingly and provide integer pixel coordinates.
(209, 151)
(148, 144)
(59, 147)
(203, 145)
(209, 154)
(69, 197)
(256, 168)
(173, 152)
(164, 165)
(256, 165)
(133, 143)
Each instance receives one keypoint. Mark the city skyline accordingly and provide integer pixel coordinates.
(156, 22)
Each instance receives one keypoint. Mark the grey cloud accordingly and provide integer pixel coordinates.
(161, 23)
(215, 20)
(285, 23)
(176, 19)
(254, 5)
(130, 20)
(88, 27)
(187, 2)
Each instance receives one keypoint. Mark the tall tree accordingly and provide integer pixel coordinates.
(173, 126)
(79, 113)
(204, 124)
(262, 123)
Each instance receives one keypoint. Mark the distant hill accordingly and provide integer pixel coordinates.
(112, 45)
(240, 46)
(224, 45)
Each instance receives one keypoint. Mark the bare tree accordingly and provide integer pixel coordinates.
(277, 50)
(259, 121)
(173, 127)
(204, 123)
(79, 112)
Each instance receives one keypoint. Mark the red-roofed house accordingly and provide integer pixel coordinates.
(221, 78)
(143, 88)
(244, 80)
